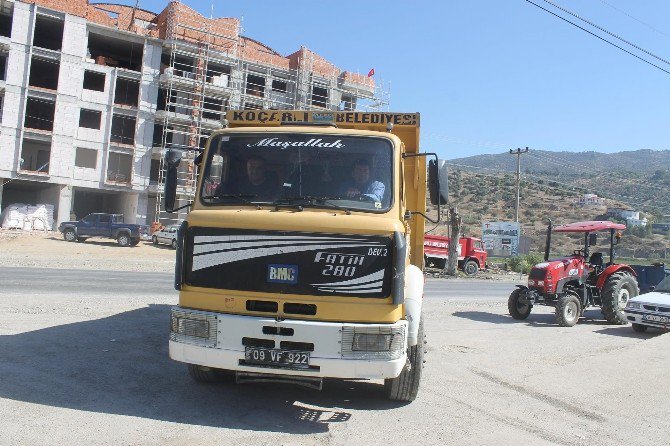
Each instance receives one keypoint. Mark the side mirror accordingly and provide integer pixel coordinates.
(438, 183)
(172, 160)
(593, 239)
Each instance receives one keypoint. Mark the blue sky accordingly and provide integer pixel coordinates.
(488, 75)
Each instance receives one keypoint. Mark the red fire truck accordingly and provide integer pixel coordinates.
(471, 254)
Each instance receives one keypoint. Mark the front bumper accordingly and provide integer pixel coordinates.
(651, 319)
(227, 347)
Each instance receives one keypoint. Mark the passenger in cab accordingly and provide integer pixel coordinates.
(258, 182)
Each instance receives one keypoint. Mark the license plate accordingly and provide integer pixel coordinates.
(266, 356)
(651, 317)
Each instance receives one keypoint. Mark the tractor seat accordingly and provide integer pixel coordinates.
(596, 260)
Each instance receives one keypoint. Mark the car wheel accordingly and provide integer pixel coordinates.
(174, 244)
(154, 240)
(123, 239)
(69, 235)
(639, 328)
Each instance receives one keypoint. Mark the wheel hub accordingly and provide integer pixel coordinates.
(624, 295)
(570, 311)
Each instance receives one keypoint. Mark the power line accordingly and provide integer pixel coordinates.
(634, 18)
(599, 37)
(637, 47)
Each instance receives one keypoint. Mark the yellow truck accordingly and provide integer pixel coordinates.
(301, 257)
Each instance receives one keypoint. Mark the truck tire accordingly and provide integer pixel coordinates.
(135, 242)
(174, 244)
(81, 239)
(208, 375)
(618, 288)
(123, 239)
(568, 310)
(69, 235)
(639, 328)
(518, 310)
(405, 386)
(470, 268)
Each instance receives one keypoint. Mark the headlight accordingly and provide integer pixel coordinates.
(540, 283)
(376, 342)
(531, 282)
(634, 305)
(193, 327)
(364, 342)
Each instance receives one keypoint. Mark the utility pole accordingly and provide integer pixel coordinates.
(518, 154)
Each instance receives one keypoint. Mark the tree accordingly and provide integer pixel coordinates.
(455, 231)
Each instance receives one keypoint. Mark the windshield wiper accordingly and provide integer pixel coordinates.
(241, 197)
(288, 202)
(325, 201)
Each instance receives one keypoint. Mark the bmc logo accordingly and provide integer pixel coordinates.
(283, 274)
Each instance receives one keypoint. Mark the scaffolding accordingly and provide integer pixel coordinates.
(206, 71)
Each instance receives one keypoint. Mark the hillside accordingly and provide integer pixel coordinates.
(482, 197)
(639, 179)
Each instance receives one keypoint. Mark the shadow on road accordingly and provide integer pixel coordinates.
(120, 365)
(625, 331)
(534, 320)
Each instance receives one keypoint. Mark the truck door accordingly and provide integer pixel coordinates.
(103, 226)
(87, 225)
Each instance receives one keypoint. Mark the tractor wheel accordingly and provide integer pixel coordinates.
(639, 328)
(517, 309)
(406, 386)
(618, 289)
(568, 309)
(470, 268)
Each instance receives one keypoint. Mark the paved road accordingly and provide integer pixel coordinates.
(96, 283)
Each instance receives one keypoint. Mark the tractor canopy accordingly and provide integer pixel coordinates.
(589, 226)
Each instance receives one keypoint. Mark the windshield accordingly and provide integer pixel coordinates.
(664, 286)
(330, 171)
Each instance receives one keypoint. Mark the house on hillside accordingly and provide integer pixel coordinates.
(632, 217)
(588, 200)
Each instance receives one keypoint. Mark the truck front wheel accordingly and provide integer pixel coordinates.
(406, 386)
(123, 239)
(208, 375)
(470, 268)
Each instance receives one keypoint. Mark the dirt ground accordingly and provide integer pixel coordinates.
(49, 250)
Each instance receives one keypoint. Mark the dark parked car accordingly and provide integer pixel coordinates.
(101, 225)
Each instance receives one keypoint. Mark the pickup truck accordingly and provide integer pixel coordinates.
(101, 225)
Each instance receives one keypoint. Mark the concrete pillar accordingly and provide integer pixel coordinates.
(64, 204)
(129, 205)
(2, 185)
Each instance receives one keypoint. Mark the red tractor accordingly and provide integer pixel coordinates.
(572, 284)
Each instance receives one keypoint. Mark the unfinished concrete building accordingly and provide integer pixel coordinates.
(92, 95)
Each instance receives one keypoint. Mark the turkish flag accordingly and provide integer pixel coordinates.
(371, 73)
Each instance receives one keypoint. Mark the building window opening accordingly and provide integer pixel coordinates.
(348, 103)
(6, 13)
(44, 73)
(3, 66)
(127, 92)
(48, 33)
(123, 129)
(319, 97)
(90, 119)
(154, 172)
(218, 75)
(252, 106)
(35, 156)
(255, 85)
(94, 81)
(86, 158)
(119, 168)
(212, 108)
(279, 86)
(39, 114)
(113, 52)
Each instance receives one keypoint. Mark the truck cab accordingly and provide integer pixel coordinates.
(302, 255)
